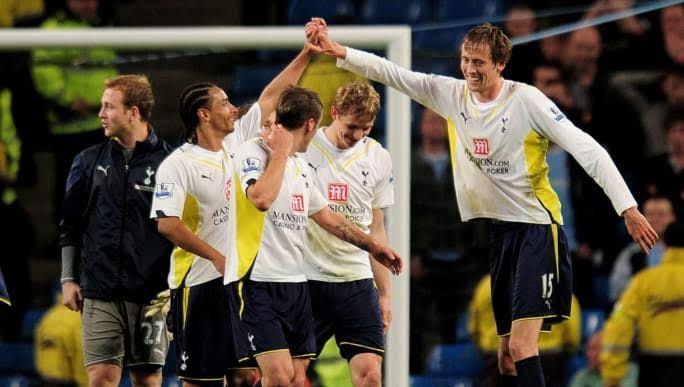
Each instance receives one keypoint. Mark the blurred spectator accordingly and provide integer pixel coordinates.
(59, 349)
(651, 94)
(18, 12)
(652, 306)
(660, 214)
(16, 231)
(71, 81)
(591, 376)
(555, 347)
(446, 254)
(521, 20)
(672, 27)
(330, 368)
(663, 175)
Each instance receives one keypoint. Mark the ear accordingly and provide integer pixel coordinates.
(333, 113)
(310, 125)
(500, 67)
(135, 112)
(202, 114)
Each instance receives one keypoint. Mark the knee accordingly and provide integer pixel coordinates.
(367, 376)
(522, 349)
(146, 378)
(279, 378)
(106, 375)
(372, 378)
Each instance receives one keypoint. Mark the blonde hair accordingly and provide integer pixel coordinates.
(357, 99)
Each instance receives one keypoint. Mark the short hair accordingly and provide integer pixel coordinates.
(136, 90)
(193, 98)
(297, 105)
(494, 37)
(357, 99)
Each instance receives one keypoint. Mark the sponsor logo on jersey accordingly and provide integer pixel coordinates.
(229, 188)
(481, 146)
(164, 191)
(338, 192)
(221, 215)
(298, 202)
(250, 164)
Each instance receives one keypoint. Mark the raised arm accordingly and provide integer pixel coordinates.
(342, 228)
(263, 190)
(268, 100)
(180, 235)
(435, 92)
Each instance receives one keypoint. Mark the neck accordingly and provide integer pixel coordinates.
(491, 93)
(209, 139)
(138, 133)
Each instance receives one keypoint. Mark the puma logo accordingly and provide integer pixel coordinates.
(465, 118)
(102, 169)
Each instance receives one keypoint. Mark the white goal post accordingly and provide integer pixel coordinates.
(396, 40)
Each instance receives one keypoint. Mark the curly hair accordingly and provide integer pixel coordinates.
(357, 99)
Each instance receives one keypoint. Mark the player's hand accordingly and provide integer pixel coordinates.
(387, 257)
(639, 229)
(385, 312)
(159, 304)
(72, 297)
(279, 140)
(318, 41)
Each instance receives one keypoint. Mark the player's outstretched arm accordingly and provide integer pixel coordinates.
(342, 228)
(639, 229)
(319, 42)
(180, 235)
(268, 100)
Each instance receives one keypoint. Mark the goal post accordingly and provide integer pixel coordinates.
(396, 40)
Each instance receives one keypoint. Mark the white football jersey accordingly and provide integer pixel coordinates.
(354, 181)
(281, 230)
(498, 149)
(198, 186)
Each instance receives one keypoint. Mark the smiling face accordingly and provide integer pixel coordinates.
(481, 73)
(116, 118)
(222, 114)
(349, 129)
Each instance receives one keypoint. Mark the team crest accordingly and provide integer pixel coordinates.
(338, 192)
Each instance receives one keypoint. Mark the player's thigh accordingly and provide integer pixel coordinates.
(103, 327)
(146, 339)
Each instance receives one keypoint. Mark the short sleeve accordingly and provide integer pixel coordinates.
(171, 189)
(250, 162)
(383, 196)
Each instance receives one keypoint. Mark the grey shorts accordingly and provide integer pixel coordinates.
(117, 332)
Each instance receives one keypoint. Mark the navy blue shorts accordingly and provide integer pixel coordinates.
(277, 317)
(240, 345)
(351, 312)
(531, 274)
(201, 320)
